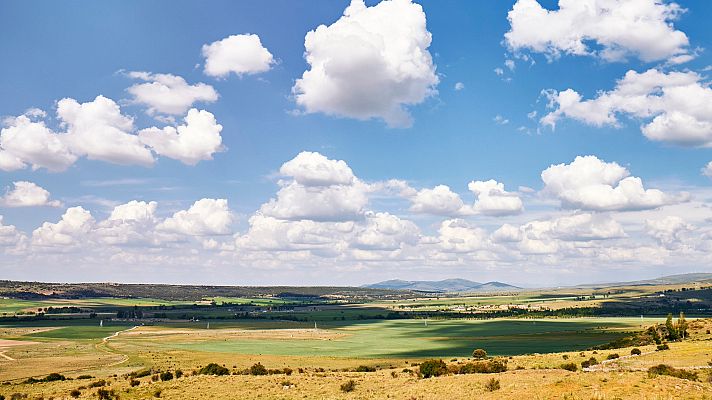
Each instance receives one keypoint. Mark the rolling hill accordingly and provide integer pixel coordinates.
(443, 286)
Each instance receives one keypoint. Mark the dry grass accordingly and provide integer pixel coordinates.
(541, 378)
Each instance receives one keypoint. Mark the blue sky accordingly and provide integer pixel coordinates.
(484, 131)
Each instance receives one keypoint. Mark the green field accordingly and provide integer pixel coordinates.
(11, 306)
(442, 338)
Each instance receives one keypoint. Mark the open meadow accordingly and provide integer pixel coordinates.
(334, 346)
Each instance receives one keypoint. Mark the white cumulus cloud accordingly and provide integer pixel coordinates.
(168, 94)
(618, 28)
(75, 224)
(439, 200)
(97, 130)
(320, 189)
(369, 63)
(239, 54)
(24, 141)
(588, 183)
(492, 199)
(676, 107)
(204, 217)
(314, 169)
(191, 143)
(27, 194)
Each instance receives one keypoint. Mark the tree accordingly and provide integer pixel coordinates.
(479, 354)
(671, 329)
(682, 325)
(433, 368)
(258, 369)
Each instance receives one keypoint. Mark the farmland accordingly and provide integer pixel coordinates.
(322, 340)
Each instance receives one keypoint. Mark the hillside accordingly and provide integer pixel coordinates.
(677, 279)
(443, 286)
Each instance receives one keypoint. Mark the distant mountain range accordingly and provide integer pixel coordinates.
(446, 285)
(663, 280)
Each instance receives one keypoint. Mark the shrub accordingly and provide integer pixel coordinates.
(569, 367)
(348, 386)
(663, 369)
(492, 385)
(612, 356)
(287, 371)
(482, 367)
(365, 368)
(663, 346)
(98, 383)
(106, 394)
(84, 377)
(433, 368)
(54, 377)
(134, 382)
(588, 363)
(166, 376)
(179, 373)
(635, 352)
(479, 354)
(75, 393)
(214, 369)
(157, 393)
(140, 373)
(258, 369)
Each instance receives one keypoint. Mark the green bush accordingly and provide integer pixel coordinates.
(140, 373)
(482, 367)
(433, 368)
(75, 393)
(106, 394)
(492, 385)
(287, 371)
(54, 377)
(365, 368)
(569, 367)
(663, 369)
(179, 373)
(98, 383)
(85, 377)
(663, 346)
(589, 363)
(349, 386)
(134, 382)
(479, 354)
(258, 369)
(166, 376)
(214, 369)
(635, 352)
(612, 356)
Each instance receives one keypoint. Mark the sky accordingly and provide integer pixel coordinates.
(324, 142)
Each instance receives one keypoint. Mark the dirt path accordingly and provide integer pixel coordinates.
(104, 347)
(5, 356)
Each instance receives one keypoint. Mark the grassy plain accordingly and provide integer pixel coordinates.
(279, 333)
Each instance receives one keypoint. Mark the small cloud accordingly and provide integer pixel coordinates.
(459, 86)
(510, 65)
(500, 120)
(499, 71)
(707, 170)
(532, 114)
